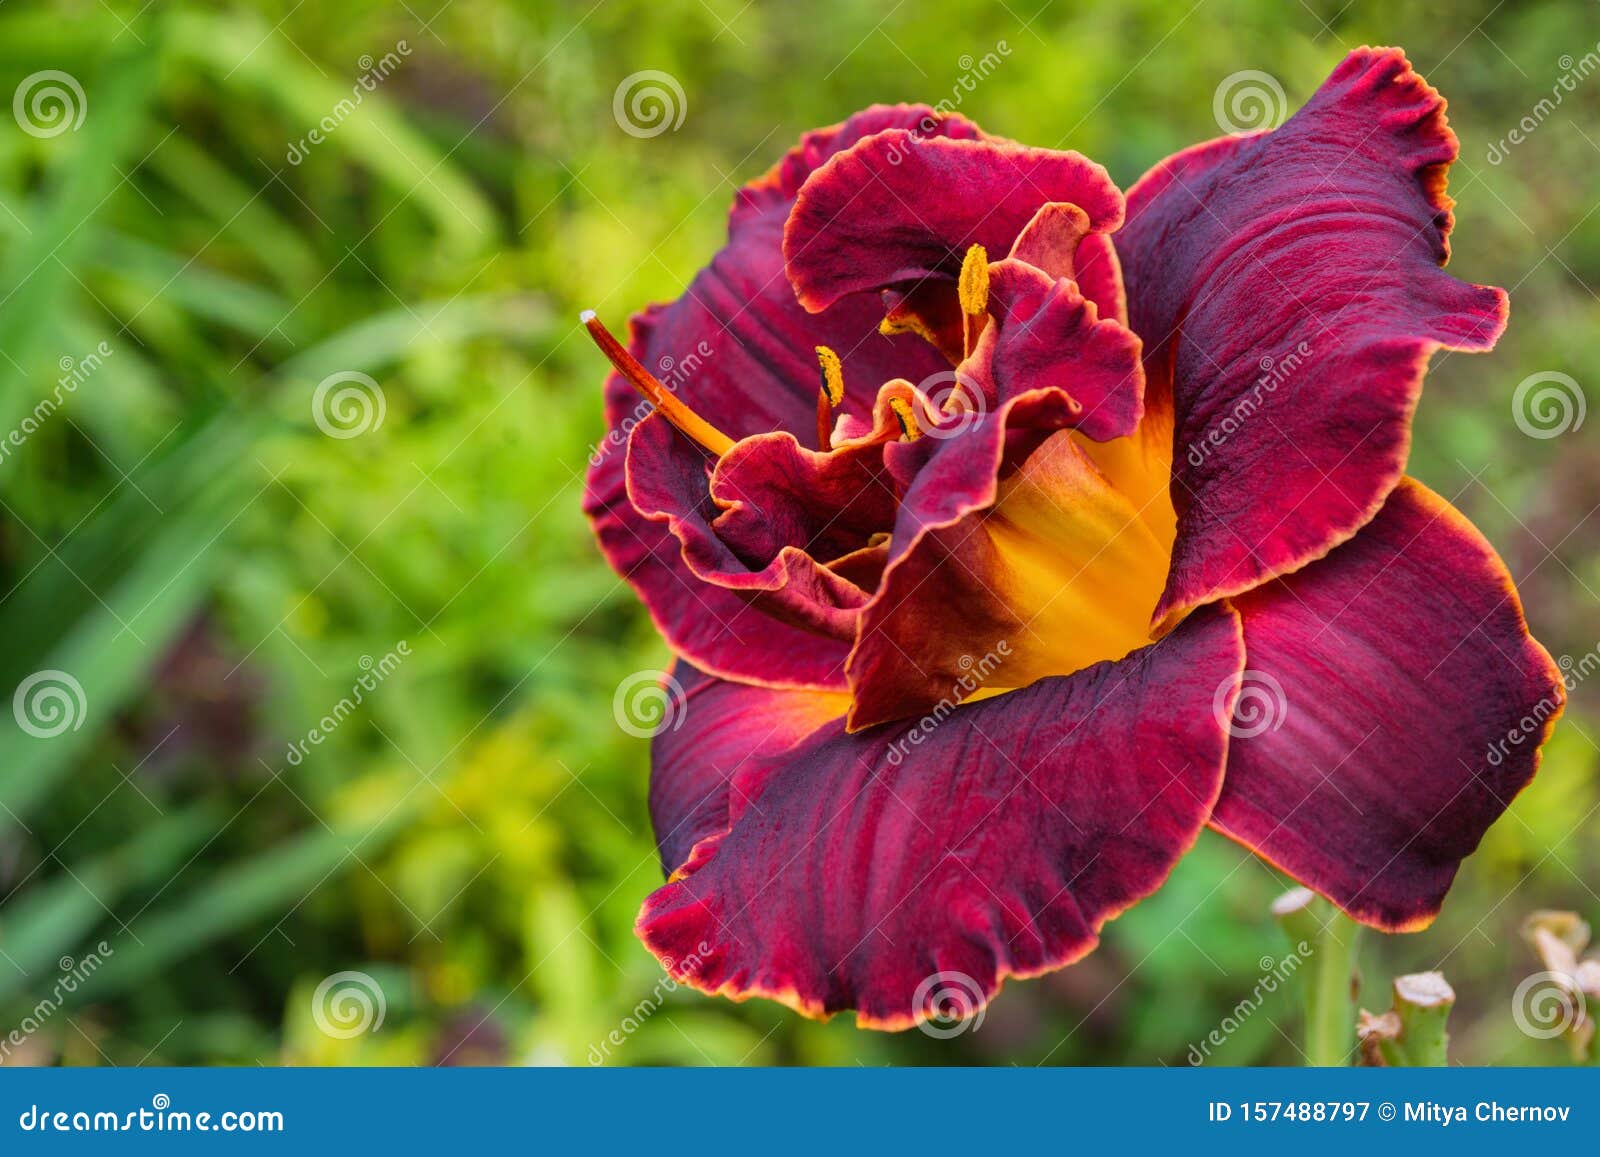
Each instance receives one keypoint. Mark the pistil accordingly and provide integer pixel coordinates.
(654, 390)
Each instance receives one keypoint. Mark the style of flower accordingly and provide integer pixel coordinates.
(1283, 637)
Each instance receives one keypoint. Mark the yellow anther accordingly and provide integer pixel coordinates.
(830, 395)
(908, 419)
(905, 321)
(832, 375)
(974, 283)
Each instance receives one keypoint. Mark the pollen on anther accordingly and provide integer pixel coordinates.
(973, 285)
(832, 375)
(907, 417)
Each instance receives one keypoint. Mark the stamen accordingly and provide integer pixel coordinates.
(904, 320)
(974, 284)
(654, 391)
(908, 419)
(973, 289)
(831, 394)
(832, 374)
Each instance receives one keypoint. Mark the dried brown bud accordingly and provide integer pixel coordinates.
(1371, 1031)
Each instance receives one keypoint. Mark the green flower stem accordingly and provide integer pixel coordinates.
(1423, 1002)
(1318, 929)
(1330, 997)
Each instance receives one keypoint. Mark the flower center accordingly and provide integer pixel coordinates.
(1082, 538)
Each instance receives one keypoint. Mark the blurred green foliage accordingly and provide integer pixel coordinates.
(184, 540)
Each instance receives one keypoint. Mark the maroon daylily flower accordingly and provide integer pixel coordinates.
(963, 633)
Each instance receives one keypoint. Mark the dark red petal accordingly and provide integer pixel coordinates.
(1058, 241)
(753, 346)
(714, 625)
(1047, 335)
(739, 350)
(1393, 705)
(859, 867)
(1054, 561)
(1288, 290)
(714, 729)
(776, 493)
(960, 575)
(954, 582)
(667, 481)
(1098, 272)
(897, 208)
